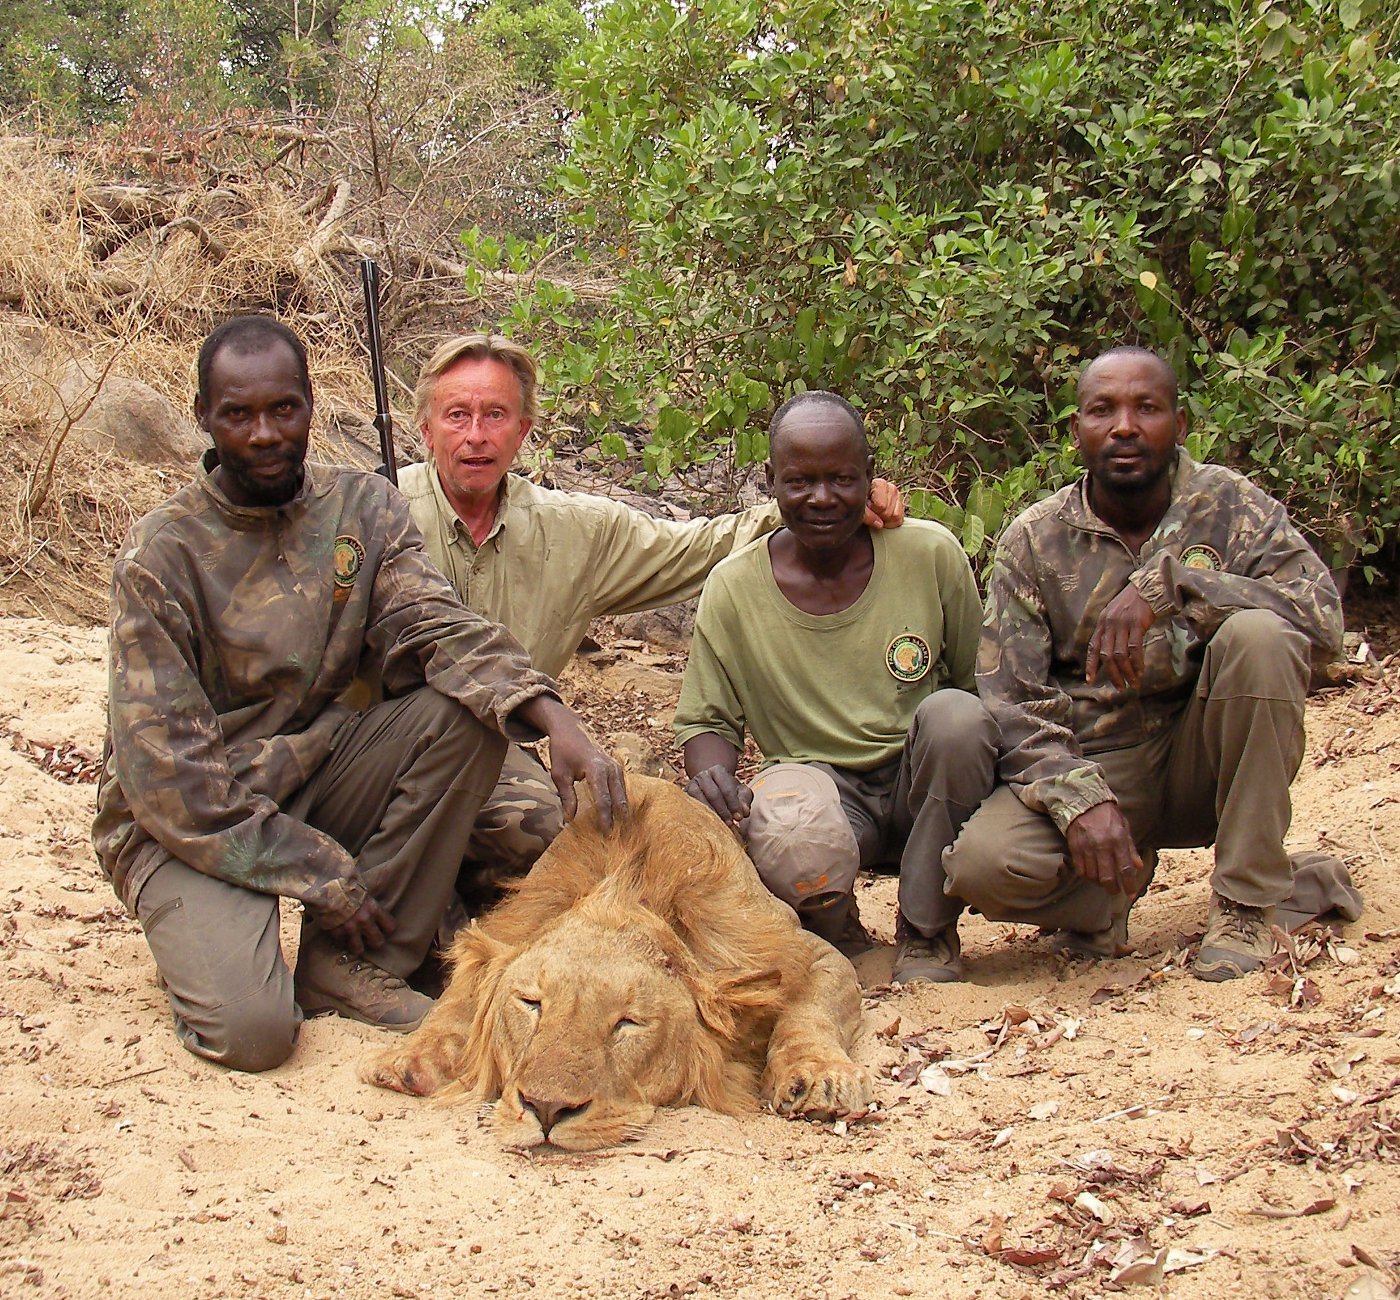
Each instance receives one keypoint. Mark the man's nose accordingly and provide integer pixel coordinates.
(1125, 422)
(265, 431)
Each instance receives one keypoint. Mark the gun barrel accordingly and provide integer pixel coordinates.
(383, 418)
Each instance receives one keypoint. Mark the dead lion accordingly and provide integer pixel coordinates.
(644, 968)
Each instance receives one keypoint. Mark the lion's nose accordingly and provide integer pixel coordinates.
(550, 1113)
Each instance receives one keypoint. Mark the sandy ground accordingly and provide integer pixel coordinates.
(1041, 1129)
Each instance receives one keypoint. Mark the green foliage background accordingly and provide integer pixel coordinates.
(940, 207)
(84, 62)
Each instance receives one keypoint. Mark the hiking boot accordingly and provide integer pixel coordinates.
(1112, 940)
(330, 979)
(1093, 945)
(926, 959)
(842, 930)
(1238, 939)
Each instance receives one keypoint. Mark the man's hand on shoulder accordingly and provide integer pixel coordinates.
(1116, 646)
(573, 757)
(885, 508)
(1101, 847)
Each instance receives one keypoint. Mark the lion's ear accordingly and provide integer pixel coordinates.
(722, 998)
(474, 949)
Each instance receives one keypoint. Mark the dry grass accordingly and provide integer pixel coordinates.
(118, 255)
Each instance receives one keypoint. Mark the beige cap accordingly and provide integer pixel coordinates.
(799, 838)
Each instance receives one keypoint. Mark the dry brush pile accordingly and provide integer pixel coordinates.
(117, 255)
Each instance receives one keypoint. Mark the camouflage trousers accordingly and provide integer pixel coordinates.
(399, 791)
(518, 821)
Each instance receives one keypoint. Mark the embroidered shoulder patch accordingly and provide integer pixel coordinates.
(349, 556)
(1201, 557)
(908, 657)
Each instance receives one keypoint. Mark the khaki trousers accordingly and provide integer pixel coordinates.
(908, 811)
(400, 790)
(1220, 777)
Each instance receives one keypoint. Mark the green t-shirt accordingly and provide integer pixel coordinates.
(834, 688)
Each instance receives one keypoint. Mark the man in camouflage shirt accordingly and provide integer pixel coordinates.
(242, 610)
(542, 562)
(1146, 655)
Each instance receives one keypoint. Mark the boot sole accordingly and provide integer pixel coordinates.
(933, 975)
(324, 1007)
(1216, 969)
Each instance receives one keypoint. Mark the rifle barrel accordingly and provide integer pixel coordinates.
(383, 417)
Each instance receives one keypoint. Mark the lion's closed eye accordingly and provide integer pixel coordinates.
(532, 1005)
(623, 1023)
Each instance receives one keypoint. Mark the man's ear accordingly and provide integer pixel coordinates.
(1180, 426)
(199, 412)
(768, 475)
(1074, 427)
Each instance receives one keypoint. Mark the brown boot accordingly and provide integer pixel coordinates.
(330, 979)
(1238, 940)
(926, 959)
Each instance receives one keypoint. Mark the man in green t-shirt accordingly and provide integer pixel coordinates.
(848, 655)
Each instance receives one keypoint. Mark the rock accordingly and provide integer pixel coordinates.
(128, 419)
(670, 627)
(636, 756)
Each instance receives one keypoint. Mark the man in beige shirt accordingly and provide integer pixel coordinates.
(543, 562)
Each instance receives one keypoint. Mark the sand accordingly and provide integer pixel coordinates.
(1042, 1129)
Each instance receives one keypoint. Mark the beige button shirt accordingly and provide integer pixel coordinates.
(554, 560)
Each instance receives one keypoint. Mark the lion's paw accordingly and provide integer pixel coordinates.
(419, 1070)
(820, 1089)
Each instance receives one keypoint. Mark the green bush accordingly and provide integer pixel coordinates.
(941, 207)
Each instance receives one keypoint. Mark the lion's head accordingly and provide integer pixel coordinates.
(586, 1030)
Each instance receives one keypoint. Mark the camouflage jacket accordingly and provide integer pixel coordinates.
(235, 631)
(1222, 546)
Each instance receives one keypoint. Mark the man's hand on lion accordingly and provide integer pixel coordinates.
(370, 926)
(573, 757)
(713, 764)
(719, 788)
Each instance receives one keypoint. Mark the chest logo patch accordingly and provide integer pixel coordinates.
(908, 657)
(1202, 557)
(349, 556)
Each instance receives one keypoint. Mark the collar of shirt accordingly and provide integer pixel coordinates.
(458, 530)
